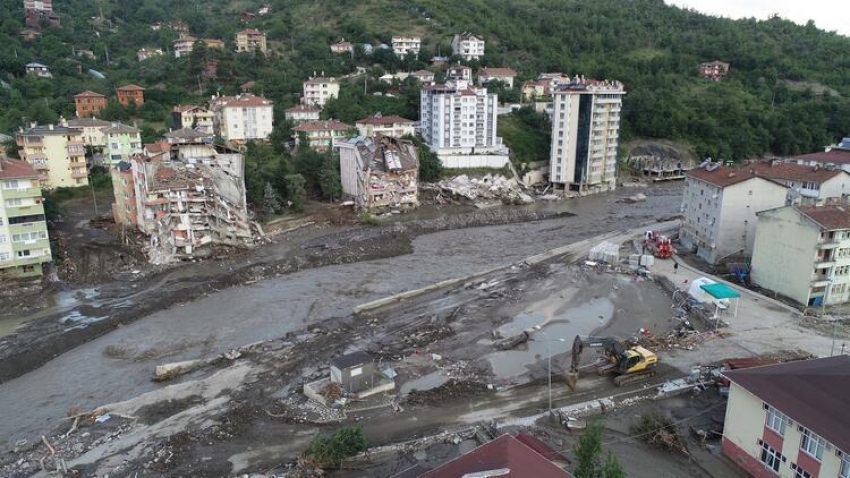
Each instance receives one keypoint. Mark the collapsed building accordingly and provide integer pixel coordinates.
(186, 198)
(379, 173)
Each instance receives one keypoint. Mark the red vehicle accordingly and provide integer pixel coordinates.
(658, 245)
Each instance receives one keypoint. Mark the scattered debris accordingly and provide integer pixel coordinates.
(658, 430)
(488, 187)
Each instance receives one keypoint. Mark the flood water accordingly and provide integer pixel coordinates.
(88, 377)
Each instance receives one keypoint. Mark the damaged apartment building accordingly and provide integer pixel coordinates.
(379, 173)
(186, 196)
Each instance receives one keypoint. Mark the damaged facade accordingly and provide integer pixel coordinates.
(379, 173)
(186, 200)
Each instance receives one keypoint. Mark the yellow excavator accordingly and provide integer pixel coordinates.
(625, 364)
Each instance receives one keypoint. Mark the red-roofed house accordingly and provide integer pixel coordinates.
(719, 208)
(506, 456)
(392, 125)
(807, 185)
(505, 75)
(131, 94)
(251, 39)
(89, 103)
(342, 46)
(321, 135)
(790, 419)
(803, 253)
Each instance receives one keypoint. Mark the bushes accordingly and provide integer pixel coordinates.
(330, 450)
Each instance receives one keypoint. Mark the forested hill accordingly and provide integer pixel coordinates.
(788, 91)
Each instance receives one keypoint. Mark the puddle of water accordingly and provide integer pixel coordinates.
(556, 336)
(77, 319)
(425, 382)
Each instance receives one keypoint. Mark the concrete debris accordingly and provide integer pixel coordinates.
(488, 187)
(639, 197)
(511, 342)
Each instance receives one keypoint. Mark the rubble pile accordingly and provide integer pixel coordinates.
(488, 187)
(659, 431)
(450, 390)
(674, 340)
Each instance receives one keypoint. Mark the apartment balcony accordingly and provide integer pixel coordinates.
(21, 193)
(41, 166)
(79, 174)
(27, 227)
(31, 260)
(827, 244)
(15, 211)
(824, 263)
(35, 244)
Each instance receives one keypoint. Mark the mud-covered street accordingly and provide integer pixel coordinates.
(119, 364)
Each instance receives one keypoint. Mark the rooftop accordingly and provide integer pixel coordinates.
(496, 72)
(118, 128)
(89, 94)
(835, 156)
(721, 176)
(240, 101)
(379, 119)
(303, 109)
(385, 153)
(16, 169)
(186, 133)
(41, 130)
(353, 359)
(814, 393)
(507, 454)
(185, 108)
(828, 217)
(250, 31)
(130, 87)
(328, 125)
(794, 171)
(88, 123)
(319, 80)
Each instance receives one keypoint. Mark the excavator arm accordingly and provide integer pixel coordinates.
(613, 350)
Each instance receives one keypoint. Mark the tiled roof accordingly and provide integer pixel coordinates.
(351, 360)
(42, 130)
(158, 147)
(835, 156)
(242, 101)
(793, 171)
(185, 108)
(186, 133)
(504, 453)
(829, 217)
(16, 169)
(118, 128)
(723, 176)
(302, 109)
(250, 31)
(89, 93)
(814, 393)
(383, 120)
(88, 123)
(319, 80)
(422, 73)
(496, 72)
(329, 125)
(131, 88)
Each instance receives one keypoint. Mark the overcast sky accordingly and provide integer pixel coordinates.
(830, 15)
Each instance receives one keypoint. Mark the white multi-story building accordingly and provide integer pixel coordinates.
(392, 125)
(300, 113)
(243, 117)
(403, 44)
(458, 117)
(505, 75)
(807, 185)
(803, 253)
(585, 135)
(467, 45)
(318, 90)
(719, 207)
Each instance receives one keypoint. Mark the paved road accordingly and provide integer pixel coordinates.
(87, 377)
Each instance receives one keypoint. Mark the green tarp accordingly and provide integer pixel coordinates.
(720, 291)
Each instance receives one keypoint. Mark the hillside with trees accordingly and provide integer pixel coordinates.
(788, 91)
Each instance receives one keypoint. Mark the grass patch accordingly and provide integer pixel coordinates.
(528, 134)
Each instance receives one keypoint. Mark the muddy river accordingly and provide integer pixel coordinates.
(119, 365)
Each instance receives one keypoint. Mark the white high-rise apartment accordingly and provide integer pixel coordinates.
(243, 118)
(457, 118)
(585, 135)
(318, 90)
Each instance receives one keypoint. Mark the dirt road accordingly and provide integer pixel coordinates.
(119, 365)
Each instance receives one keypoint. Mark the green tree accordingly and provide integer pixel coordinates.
(329, 180)
(430, 166)
(591, 462)
(271, 200)
(331, 450)
(295, 192)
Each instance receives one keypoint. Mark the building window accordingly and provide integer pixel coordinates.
(13, 184)
(812, 443)
(13, 202)
(799, 472)
(770, 457)
(776, 420)
(4, 256)
(25, 253)
(845, 463)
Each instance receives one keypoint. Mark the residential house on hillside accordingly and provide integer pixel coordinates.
(714, 70)
(837, 155)
(183, 45)
(24, 241)
(585, 136)
(423, 76)
(243, 117)
(122, 142)
(803, 253)
(468, 46)
(458, 122)
(180, 27)
(543, 86)
(300, 113)
(505, 75)
(145, 53)
(321, 135)
(508, 456)
(807, 185)
(89, 103)
(251, 39)
(39, 70)
(392, 125)
(57, 153)
(28, 34)
(318, 90)
(459, 72)
(404, 44)
(92, 129)
(36, 11)
(131, 94)
(380, 173)
(342, 46)
(790, 419)
(720, 206)
(214, 43)
(193, 116)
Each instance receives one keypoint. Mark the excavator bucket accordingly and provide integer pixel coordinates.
(572, 379)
